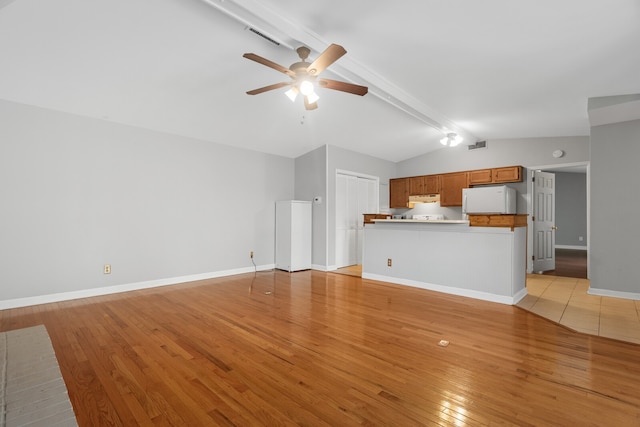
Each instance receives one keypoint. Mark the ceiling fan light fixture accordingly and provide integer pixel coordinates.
(306, 87)
(312, 97)
(292, 93)
(452, 139)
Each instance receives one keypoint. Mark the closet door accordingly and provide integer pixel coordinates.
(346, 220)
(367, 203)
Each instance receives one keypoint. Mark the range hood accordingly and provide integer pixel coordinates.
(426, 198)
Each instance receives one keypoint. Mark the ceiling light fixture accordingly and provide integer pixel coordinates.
(452, 139)
(292, 93)
(305, 88)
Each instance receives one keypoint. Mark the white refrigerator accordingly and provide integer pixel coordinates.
(293, 235)
(498, 199)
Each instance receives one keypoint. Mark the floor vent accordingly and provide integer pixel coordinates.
(479, 144)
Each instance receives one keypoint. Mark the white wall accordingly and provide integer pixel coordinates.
(78, 193)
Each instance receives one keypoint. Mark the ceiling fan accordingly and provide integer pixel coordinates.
(304, 75)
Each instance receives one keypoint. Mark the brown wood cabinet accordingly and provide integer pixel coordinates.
(495, 175)
(368, 218)
(416, 186)
(480, 176)
(508, 174)
(432, 184)
(452, 185)
(448, 185)
(399, 193)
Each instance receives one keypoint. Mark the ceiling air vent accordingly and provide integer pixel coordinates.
(479, 144)
(264, 36)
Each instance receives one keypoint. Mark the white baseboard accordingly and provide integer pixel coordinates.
(615, 294)
(319, 267)
(94, 292)
(579, 248)
(485, 296)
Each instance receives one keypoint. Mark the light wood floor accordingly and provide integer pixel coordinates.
(565, 300)
(313, 348)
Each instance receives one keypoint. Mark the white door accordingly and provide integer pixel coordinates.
(367, 203)
(544, 217)
(346, 226)
(354, 196)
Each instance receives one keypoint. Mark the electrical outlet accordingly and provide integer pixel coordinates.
(251, 254)
(107, 269)
(389, 262)
(580, 238)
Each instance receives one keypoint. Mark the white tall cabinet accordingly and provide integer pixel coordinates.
(293, 235)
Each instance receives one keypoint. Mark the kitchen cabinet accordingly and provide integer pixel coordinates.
(432, 184)
(480, 176)
(508, 174)
(399, 193)
(495, 175)
(451, 188)
(416, 186)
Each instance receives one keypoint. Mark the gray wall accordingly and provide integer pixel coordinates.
(341, 159)
(78, 193)
(615, 247)
(571, 209)
(499, 152)
(310, 182)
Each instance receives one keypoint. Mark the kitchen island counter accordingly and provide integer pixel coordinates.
(487, 263)
(425, 221)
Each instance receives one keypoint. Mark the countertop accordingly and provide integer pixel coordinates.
(425, 221)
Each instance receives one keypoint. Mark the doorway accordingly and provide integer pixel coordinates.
(570, 219)
(356, 194)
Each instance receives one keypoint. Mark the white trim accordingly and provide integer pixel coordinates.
(94, 292)
(319, 267)
(485, 296)
(580, 248)
(614, 294)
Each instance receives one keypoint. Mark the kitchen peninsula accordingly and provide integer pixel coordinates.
(483, 262)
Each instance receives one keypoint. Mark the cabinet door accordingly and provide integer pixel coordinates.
(416, 186)
(399, 193)
(452, 185)
(432, 184)
(481, 176)
(508, 174)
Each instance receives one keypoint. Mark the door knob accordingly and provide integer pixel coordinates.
(554, 228)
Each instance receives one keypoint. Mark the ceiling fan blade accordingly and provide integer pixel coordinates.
(343, 86)
(270, 64)
(268, 88)
(308, 105)
(326, 58)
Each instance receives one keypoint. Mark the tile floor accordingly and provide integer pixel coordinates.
(565, 300)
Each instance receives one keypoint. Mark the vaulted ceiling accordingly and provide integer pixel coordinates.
(485, 69)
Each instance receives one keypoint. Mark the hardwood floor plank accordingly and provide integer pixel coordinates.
(314, 348)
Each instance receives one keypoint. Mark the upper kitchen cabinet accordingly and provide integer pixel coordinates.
(416, 186)
(508, 174)
(399, 193)
(480, 176)
(495, 175)
(432, 184)
(451, 188)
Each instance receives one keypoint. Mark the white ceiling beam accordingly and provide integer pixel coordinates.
(290, 34)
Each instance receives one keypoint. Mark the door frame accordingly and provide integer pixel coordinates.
(335, 192)
(560, 167)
